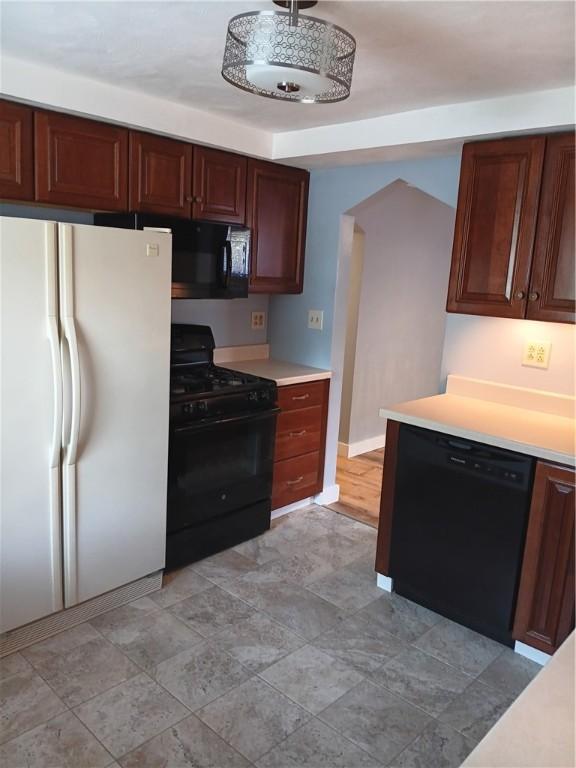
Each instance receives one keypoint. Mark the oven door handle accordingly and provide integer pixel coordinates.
(217, 421)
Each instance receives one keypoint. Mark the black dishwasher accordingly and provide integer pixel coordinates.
(458, 530)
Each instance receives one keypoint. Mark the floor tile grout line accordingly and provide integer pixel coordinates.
(169, 727)
(327, 725)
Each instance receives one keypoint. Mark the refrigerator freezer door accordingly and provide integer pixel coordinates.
(115, 306)
(31, 413)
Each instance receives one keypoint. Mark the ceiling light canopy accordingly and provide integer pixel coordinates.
(287, 56)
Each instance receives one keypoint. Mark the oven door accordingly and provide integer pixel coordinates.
(219, 466)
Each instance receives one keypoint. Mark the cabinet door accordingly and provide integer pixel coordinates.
(545, 609)
(277, 207)
(495, 225)
(80, 163)
(552, 295)
(16, 152)
(219, 186)
(160, 175)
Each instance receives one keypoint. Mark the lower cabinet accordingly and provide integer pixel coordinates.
(545, 608)
(300, 442)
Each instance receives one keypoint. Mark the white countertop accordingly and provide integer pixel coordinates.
(538, 729)
(524, 429)
(280, 371)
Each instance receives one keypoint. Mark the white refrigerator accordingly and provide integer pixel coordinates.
(85, 348)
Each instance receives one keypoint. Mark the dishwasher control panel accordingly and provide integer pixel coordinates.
(487, 468)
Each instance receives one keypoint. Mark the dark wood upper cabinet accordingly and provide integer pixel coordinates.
(276, 212)
(545, 608)
(495, 225)
(219, 186)
(160, 175)
(81, 163)
(16, 151)
(552, 295)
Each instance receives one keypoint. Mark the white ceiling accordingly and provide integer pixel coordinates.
(410, 54)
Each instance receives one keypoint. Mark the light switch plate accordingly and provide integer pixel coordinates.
(315, 319)
(258, 321)
(536, 354)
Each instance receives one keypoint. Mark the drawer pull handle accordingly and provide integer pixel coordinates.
(301, 397)
(295, 482)
(297, 434)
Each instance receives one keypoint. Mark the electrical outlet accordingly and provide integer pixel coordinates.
(536, 354)
(315, 319)
(258, 321)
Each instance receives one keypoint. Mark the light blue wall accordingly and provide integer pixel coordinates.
(334, 191)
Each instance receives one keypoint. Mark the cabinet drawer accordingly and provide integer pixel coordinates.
(298, 432)
(301, 395)
(296, 478)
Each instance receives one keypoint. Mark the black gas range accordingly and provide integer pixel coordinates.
(221, 451)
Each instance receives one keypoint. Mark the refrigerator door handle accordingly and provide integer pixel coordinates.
(54, 342)
(72, 341)
(69, 328)
(69, 532)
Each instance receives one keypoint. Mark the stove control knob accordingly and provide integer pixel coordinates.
(202, 406)
(252, 395)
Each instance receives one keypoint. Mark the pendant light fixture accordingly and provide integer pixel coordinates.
(289, 56)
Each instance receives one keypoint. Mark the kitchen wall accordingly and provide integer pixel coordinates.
(491, 348)
(230, 319)
(402, 306)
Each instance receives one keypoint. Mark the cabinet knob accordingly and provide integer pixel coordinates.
(533, 296)
(193, 199)
(519, 295)
(198, 199)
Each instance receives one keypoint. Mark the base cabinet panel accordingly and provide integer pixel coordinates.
(545, 609)
(300, 442)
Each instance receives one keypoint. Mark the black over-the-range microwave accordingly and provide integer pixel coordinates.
(209, 261)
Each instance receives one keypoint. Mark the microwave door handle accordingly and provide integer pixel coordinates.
(228, 260)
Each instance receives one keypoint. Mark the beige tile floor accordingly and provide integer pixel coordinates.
(280, 652)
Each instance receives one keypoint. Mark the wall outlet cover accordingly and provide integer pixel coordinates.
(536, 354)
(258, 321)
(315, 319)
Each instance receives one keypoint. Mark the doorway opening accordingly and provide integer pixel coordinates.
(392, 319)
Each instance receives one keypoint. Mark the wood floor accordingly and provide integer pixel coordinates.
(360, 481)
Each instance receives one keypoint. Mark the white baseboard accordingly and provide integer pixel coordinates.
(531, 653)
(292, 507)
(329, 495)
(384, 582)
(361, 446)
